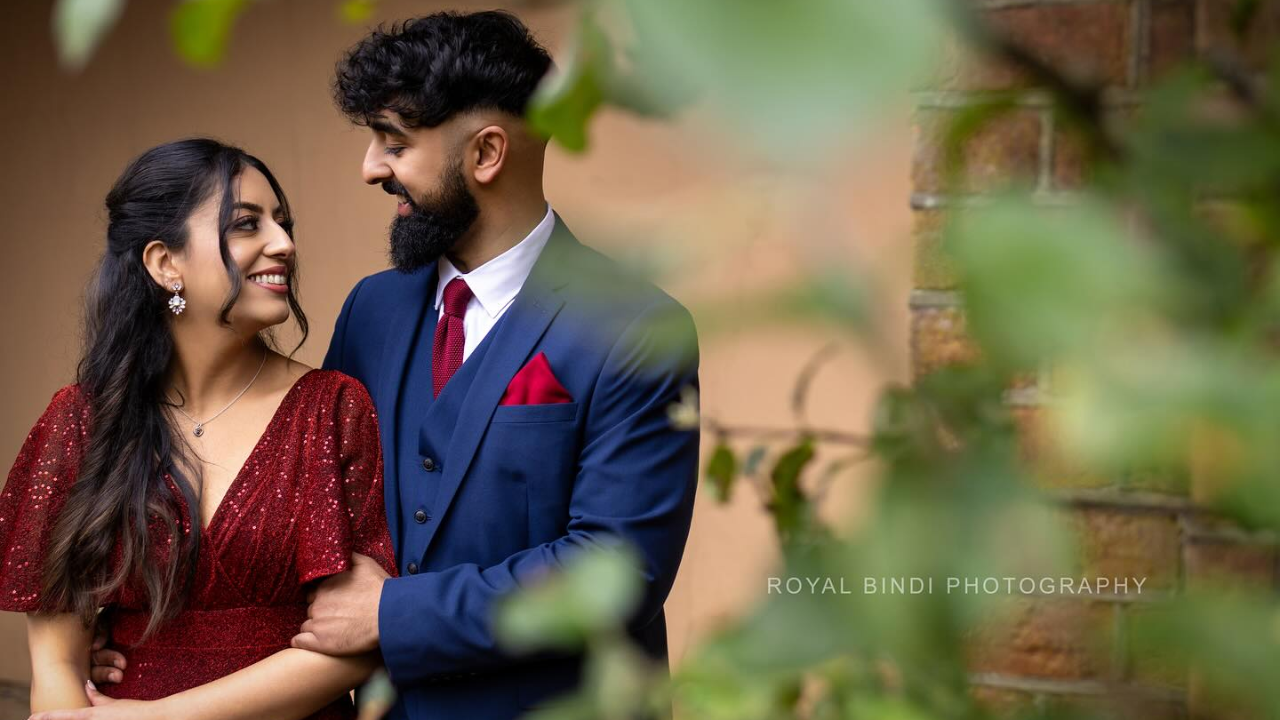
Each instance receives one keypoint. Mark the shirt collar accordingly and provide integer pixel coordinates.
(497, 282)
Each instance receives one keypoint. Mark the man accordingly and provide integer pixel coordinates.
(522, 382)
(521, 379)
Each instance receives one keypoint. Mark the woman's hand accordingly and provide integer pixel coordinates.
(105, 666)
(105, 708)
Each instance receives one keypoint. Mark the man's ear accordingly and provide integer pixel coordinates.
(162, 264)
(492, 145)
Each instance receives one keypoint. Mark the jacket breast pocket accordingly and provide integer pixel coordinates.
(549, 413)
(534, 448)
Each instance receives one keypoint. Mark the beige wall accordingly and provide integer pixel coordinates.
(676, 192)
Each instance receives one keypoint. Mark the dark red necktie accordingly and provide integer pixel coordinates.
(446, 354)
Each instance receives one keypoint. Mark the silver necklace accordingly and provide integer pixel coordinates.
(199, 428)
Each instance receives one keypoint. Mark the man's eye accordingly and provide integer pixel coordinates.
(394, 149)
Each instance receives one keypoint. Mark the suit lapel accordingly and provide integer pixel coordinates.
(516, 335)
(405, 321)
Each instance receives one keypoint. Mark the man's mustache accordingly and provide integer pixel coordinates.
(391, 187)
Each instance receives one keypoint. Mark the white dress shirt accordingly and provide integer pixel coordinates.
(496, 283)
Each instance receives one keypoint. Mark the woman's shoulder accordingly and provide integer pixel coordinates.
(60, 432)
(69, 403)
(334, 382)
(323, 388)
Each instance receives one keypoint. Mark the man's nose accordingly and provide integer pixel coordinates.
(374, 169)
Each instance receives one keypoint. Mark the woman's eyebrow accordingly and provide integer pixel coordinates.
(251, 207)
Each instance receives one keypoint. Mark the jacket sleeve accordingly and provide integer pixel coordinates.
(636, 479)
(335, 357)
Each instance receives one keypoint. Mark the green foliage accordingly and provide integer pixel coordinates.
(566, 101)
(788, 504)
(79, 26)
(357, 11)
(593, 596)
(201, 29)
(1148, 304)
(1042, 283)
(721, 469)
(791, 77)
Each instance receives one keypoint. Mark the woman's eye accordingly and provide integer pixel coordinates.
(248, 224)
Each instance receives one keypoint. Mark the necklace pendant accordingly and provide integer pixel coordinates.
(199, 431)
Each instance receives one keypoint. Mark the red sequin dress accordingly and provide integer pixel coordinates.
(308, 496)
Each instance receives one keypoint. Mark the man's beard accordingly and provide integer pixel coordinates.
(434, 224)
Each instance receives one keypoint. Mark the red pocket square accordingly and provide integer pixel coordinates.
(535, 384)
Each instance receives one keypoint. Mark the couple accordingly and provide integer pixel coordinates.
(225, 507)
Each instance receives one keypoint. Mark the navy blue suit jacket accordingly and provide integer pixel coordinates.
(525, 487)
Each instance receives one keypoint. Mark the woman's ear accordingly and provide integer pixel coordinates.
(162, 264)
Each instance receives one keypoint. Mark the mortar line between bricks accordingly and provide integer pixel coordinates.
(1003, 4)
(934, 299)
(1054, 686)
(1195, 533)
(1139, 42)
(1112, 97)
(1197, 33)
(937, 201)
(1131, 500)
(1148, 597)
(1044, 173)
(1120, 670)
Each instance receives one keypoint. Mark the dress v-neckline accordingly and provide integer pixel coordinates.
(235, 481)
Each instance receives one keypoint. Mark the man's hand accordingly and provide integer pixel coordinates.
(105, 708)
(343, 616)
(106, 666)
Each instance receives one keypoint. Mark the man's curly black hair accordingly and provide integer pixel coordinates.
(431, 68)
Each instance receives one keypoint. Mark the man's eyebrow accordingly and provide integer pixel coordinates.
(385, 126)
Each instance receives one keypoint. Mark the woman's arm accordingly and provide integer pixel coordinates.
(288, 685)
(59, 646)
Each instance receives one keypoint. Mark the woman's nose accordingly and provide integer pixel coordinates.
(281, 244)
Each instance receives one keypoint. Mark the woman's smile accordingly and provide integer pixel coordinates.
(274, 279)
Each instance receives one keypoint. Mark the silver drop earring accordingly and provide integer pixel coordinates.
(177, 303)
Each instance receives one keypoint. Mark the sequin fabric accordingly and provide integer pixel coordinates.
(308, 496)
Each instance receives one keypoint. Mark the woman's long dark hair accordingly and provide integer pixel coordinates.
(121, 491)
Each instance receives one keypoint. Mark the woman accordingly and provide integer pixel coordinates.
(193, 481)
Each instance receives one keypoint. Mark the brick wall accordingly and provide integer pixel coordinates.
(1070, 650)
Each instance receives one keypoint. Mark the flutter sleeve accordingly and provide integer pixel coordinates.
(344, 512)
(39, 484)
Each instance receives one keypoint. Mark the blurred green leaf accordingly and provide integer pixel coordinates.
(683, 414)
(1041, 283)
(357, 11)
(790, 77)
(377, 696)
(593, 592)
(201, 29)
(79, 26)
(1231, 643)
(789, 505)
(752, 462)
(721, 470)
(567, 99)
